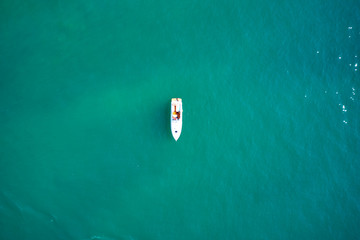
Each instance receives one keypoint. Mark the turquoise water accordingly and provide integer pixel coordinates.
(270, 147)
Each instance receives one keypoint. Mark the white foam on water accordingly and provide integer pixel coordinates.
(344, 109)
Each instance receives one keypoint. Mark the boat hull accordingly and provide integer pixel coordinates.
(176, 117)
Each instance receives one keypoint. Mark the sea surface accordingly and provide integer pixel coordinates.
(270, 146)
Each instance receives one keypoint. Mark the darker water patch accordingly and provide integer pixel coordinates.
(161, 121)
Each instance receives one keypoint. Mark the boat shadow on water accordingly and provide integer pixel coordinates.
(162, 121)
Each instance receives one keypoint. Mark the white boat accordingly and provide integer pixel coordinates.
(176, 117)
